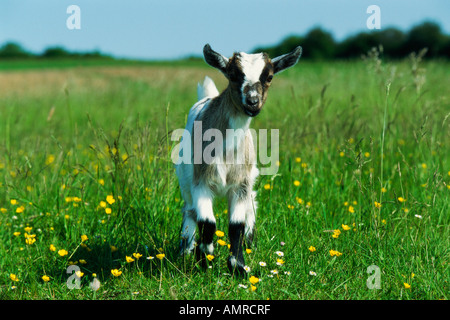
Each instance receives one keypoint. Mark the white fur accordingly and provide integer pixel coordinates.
(252, 66)
(207, 89)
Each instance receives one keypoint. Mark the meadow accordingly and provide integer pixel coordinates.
(86, 180)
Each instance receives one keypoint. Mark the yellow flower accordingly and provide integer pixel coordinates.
(50, 159)
(248, 250)
(335, 253)
(221, 242)
(27, 229)
(299, 200)
(45, 278)
(113, 249)
(267, 186)
(312, 249)
(424, 165)
(103, 204)
(384, 190)
(401, 199)
(296, 183)
(13, 202)
(160, 256)
(79, 274)
(52, 248)
(252, 288)
(383, 221)
(345, 227)
(304, 165)
(137, 255)
(129, 259)
(342, 153)
(82, 261)
(20, 209)
(30, 240)
(351, 209)
(17, 233)
(280, 262)
(406, 285)
(210, 257)
(220, 233)
(298, 159)
(366, 154)
(110, 199)
(108, 210)
(62, 252)
(13, 277)
(101, 181)
(116, 272)
(253, 280)
(84, 238)
(3, 210)
(377, 205)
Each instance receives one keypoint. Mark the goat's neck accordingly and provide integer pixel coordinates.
(236, 118)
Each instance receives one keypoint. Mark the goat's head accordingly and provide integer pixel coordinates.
(250, 75)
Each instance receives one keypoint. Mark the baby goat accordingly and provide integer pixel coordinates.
(249, 77)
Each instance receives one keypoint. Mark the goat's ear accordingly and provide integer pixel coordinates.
(215, 59)
(287, 60)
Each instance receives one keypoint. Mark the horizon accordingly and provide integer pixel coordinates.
(155, 30)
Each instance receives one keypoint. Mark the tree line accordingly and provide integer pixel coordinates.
(13, 50)
(319, 44)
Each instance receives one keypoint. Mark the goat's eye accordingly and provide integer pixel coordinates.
(269, 78)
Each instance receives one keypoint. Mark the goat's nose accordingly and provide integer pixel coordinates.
(252, 101)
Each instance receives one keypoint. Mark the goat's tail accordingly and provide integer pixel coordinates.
(207, 89)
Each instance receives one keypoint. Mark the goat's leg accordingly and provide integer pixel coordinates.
(238, 205)
(188, 227)
(250, 218)
(203, 204)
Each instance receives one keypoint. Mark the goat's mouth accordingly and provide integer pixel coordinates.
(251, 113)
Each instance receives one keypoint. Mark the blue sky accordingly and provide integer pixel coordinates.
(164, 29)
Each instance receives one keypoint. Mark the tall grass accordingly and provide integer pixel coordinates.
(363, 150)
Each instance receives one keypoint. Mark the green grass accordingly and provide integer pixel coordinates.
(103, 130)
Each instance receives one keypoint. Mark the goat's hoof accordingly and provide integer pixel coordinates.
(236, 267)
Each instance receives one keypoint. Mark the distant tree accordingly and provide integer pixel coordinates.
(425, 35)
(318, 44)
(392, 41)
(55, 52)
(445, 48)
(13, 50)
(357, 45)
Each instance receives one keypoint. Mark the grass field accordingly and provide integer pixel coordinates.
(364, 179)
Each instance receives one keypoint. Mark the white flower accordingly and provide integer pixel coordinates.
(247, 268)
(287, 273)
(242, 286)
(279, 253)
(274, 271)
(262, 264)
(312, 273)
(418, 216)
(95, 284)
